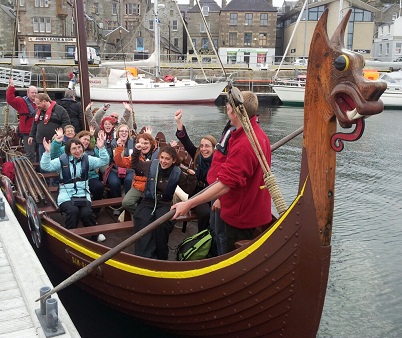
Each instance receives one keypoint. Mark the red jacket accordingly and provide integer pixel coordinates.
(246, 205)
(19, 104)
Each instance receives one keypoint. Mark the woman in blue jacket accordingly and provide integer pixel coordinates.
(74, 199)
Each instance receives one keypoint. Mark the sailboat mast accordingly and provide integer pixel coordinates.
(157, 40)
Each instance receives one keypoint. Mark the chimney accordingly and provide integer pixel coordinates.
(224, 4)
(191, 3)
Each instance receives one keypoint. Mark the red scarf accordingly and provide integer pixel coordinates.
(47, 114)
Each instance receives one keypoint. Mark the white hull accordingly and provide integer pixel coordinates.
(157, 92)
(293, 95)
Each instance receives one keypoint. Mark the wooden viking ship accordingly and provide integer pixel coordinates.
(272, 286)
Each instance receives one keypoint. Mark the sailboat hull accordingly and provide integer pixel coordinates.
(170, 92)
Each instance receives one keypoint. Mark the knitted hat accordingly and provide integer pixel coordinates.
(107, 118)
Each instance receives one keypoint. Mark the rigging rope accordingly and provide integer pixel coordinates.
(191, 41)
(236, 101)
(210, 39)
(128, 87)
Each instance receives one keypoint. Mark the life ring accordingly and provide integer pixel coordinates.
(34, 222)
(8, 191)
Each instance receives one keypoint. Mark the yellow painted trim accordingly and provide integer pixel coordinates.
(177, 274)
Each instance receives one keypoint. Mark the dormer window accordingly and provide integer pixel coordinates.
(205, 10)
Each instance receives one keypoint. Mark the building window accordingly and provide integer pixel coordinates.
(22, 3)
(42, 51)
(132, 9)
(69, 51)
(248, 21)
(41, 3)
(202, 27)
(247, 39)
(264, 19)
(215, 43)
(380, 52)
(232, 39)
(387, 48)
(175, 25)
(205, 43)
(41, 24)
(96, 8)
(151, 24)
(194, 41)
(205, 10)
(398, 48)
(233, 19)
(171, 12)
(315, 13)
(231, 58)
(114, 8)
(262, 40)
(176, 42)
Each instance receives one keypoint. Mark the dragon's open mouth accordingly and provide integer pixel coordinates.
(347, 106)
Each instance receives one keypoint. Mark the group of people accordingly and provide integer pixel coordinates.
(148, 174)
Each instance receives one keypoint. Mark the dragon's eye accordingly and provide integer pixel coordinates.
(342, 63)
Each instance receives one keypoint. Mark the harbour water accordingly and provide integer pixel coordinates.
(364, 295)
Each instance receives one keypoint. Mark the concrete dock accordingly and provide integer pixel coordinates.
(21, 278)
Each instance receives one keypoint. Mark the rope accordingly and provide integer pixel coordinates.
(269, 178)
(128, 87)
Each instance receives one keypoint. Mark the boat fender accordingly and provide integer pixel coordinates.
(8, 191)
(34, 222)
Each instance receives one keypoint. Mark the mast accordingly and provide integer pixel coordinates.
(82, 53)
(157, 38)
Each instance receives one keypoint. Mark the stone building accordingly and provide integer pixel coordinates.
(198, 39)
(247, 33)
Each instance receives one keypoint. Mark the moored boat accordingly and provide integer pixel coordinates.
(146, 90)
(273, 286)
(292, 92)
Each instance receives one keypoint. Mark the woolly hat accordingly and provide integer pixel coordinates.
(107, 118)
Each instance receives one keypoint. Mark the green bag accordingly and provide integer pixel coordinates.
(194, 247)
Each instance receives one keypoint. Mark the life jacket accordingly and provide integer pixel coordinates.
(173, 181)
(65, 169)
(30, 106)
(47, 114)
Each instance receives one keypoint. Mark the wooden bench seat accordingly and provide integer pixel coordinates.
(95, 204)
(120, 226)
(103, 228)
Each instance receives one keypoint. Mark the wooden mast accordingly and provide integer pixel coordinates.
(79, 16)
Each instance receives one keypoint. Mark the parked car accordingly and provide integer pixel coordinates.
(398, 59)
(301, 62)
(93, 57)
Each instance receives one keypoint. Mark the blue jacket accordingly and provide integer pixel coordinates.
(80, 188)
(57, 148)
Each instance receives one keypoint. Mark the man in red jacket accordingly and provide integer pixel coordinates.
(25, 106)
(244, 205)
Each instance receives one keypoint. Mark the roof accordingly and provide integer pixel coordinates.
(245, 6)
(213, 7)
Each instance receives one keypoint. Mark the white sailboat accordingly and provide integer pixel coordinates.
(114, 88)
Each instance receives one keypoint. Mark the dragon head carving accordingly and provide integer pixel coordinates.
(337, 75)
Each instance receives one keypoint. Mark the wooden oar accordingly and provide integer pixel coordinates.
(132, 239)
(286, 139)
(112, 252)
(108, 255)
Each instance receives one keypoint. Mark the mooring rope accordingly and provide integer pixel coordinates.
(236, 101)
